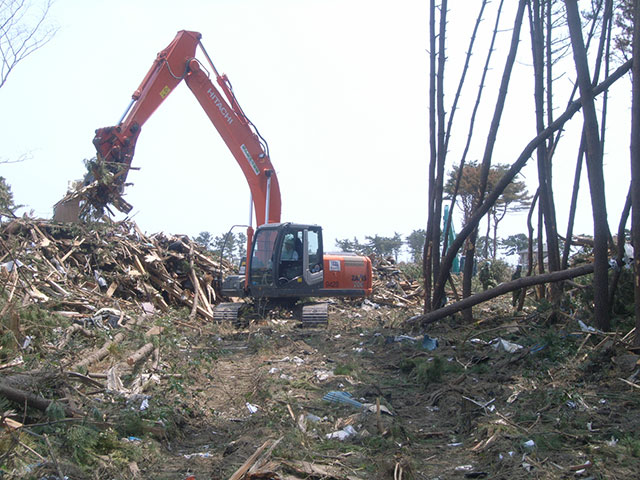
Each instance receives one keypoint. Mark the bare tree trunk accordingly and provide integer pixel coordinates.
(605, 39)
(485, 248)
(594, 168)
(475, 109)
(574, 204)
(547, 207)
(488, 152)
(428, 244)
(620, 247)
(510, 174)
(442, 152)
(523, 292)
(635, 165)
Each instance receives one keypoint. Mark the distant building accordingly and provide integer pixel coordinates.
(523, 257)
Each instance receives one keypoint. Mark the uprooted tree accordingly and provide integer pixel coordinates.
(558, 41)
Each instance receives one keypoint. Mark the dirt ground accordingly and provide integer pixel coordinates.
(137, 392)
(556, 408)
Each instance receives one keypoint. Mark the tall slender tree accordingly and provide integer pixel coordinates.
(594, 168)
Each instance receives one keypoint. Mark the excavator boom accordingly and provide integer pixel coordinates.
(284, 260)
(116, 145)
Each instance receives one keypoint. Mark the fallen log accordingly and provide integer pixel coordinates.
(29, 399)
(98, 354)
(140, 354)
(523, 282)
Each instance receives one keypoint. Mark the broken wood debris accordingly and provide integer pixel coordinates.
(82, 269)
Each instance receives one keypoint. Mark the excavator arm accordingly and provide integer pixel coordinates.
(116, 145)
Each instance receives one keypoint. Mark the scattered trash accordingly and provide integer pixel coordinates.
(529, 445)
(274, 370)
(132, 439)
(252, 408)
(537, 348)
(347, 398)
(342, 397)
(372, 407)
(105, 318)
(9, 266)
(586, 328)
(99, 278)
(27, 341)
(429, 343)
(148, 308)
(502, 457)
(464, 468)
(313, 418)
(343, 434)
(145, 404)
(200, 454)
(368, 305)
(501, 344)
(455, 444)
(401, 339)
(527, 466)
(323, 375)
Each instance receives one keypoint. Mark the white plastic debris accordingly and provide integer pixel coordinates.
(252, 408)
(323, 375)
(27, 341)
(464, 468)
(199, 454)
(527, 466)
(343, 434)
(10, 265)
(501, 344)
(586, 328)
(368, 305)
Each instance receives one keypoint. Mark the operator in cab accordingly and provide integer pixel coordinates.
(288, 250)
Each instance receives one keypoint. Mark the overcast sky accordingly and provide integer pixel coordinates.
(338, 88)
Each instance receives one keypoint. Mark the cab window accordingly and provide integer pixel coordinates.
(262, 257)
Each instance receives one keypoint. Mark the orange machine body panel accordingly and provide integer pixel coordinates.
(346, 271)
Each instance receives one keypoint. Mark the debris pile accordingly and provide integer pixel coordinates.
(391, 286)
(75, 270)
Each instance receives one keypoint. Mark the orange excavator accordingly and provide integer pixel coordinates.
(284, 260)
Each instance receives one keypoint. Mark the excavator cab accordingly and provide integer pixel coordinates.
(286, 261)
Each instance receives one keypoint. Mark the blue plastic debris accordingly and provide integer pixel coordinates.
(429, 343)
(537, 348)
(342, 397)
